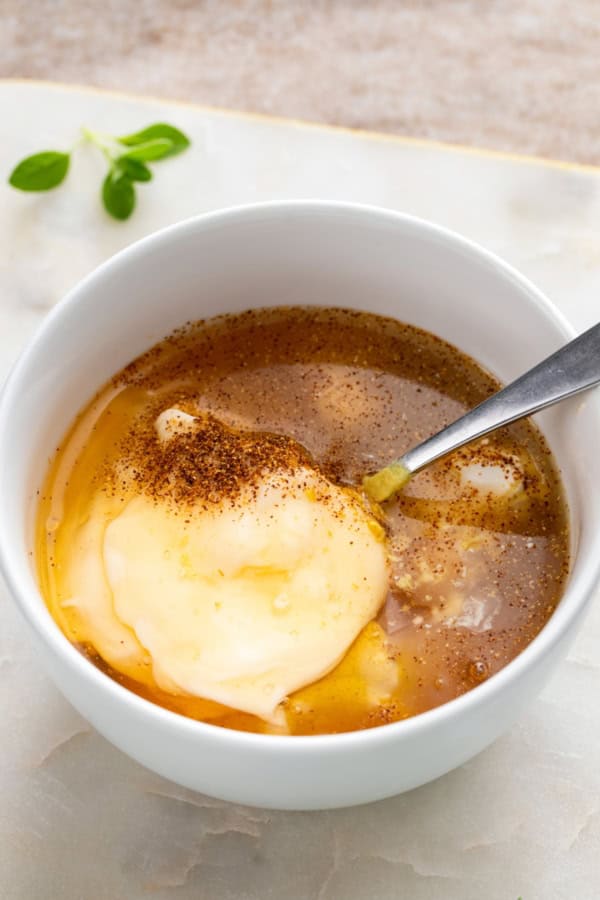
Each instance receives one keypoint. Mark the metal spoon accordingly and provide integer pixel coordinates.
(573, 368)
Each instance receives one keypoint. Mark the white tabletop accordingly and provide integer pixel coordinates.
(78, 819)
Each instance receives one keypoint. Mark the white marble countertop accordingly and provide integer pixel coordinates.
(78, 819)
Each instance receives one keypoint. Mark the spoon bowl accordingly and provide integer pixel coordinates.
(569, 371)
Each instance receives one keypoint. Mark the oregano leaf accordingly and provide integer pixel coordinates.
(150, 151)
(178, 139)
(118, 194)
(134, 168)
(40, 172)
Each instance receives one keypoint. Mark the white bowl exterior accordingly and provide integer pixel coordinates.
(306, 773)
(307, 253)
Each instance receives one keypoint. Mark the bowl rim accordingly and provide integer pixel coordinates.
(13, 567)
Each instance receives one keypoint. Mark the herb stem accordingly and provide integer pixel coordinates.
(104, 142)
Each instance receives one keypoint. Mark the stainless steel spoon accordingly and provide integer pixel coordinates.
(573, 368)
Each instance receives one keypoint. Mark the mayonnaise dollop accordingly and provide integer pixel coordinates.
(238, 602)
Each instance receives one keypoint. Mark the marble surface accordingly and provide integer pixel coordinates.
(78, 819)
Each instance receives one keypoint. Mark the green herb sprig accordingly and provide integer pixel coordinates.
(127, 157)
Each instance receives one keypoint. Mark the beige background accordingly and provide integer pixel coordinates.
(517, 75)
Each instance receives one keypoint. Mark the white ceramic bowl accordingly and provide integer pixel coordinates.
(306, 253)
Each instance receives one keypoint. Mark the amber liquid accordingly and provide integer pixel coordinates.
(472, 579)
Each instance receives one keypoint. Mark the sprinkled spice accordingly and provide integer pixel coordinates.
(208, 463)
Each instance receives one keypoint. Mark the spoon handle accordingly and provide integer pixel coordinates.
(573, 368)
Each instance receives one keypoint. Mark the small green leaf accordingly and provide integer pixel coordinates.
(40, 172)
(150, 151)
(178, 139)
(134, 169)
(118, 194)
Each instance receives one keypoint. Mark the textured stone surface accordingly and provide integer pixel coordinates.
(78, 819)
(520, 75)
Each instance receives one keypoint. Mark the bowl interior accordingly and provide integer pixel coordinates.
(272, 255)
